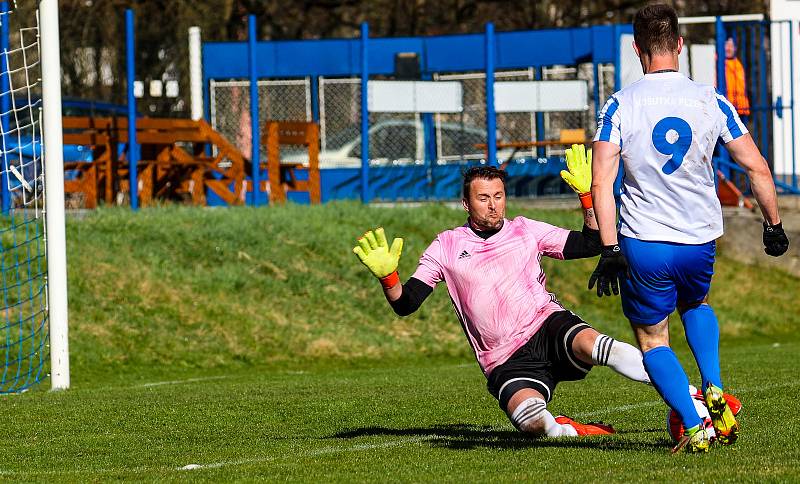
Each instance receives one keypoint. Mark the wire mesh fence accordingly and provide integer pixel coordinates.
(458, 134)
(339, 120)
(569, 125)
(398, 138)
(278, 100)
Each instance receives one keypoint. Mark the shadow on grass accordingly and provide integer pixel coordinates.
(464, 437)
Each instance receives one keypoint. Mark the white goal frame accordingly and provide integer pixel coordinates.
(54, 195)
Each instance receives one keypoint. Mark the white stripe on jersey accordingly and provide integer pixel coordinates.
(734, 127)
(608, 122)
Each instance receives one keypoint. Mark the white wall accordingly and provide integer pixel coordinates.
(781, 82)
(631, 68)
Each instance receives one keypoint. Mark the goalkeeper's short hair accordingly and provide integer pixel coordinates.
(482, 172)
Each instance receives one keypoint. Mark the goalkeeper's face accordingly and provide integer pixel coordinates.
(486, 204)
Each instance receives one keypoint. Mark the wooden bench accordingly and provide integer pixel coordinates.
(173, 162)
(283, 176)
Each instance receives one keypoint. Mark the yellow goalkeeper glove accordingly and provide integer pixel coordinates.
(579, 176)
(382, 260)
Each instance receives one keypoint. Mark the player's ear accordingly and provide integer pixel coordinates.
(465, 204)
(680, 44)
(636, 49)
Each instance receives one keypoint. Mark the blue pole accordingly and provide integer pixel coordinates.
(207, 98)
(5, 103)
(429, 153)
(791, 105)
(207, 107)
(491, 122)
(364, 113)
(255, 144)
(596, 92)
(617, 59)
(740, 40)
(315, 99)
(617, 87)
(133, 146)
(720, 38)
(764, 104)
(540, 151)
(429, 139)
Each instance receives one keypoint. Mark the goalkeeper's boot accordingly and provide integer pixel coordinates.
(696, 439)
(721, 415)
(583, 430)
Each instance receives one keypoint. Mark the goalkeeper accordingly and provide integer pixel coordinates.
(524, 340)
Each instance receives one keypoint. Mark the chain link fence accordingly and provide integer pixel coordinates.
(457, 134)
(606, 74)
(400, 138)
(339, 120)
(394, 138)
(279, 100)
(557, 123)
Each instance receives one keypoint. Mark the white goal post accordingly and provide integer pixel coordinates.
(33, 267)
(54, 190)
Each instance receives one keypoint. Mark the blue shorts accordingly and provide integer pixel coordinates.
(661, 274)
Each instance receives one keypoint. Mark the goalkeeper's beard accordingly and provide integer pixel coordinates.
(491, 221)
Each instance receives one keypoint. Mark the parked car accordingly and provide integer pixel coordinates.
(398, 142)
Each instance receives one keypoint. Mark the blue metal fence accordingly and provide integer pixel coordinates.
(488, 54)
(429, 176)
(759, 45)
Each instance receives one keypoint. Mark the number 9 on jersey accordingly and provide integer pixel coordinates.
(672, 136)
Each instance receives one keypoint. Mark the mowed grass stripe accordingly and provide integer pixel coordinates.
(192, 288)
(413, 422)
(216, 465)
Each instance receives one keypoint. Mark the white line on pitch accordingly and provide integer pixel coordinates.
(654, 403)
(178, 382)
(215, 465)
(312, 453)
(622, 408)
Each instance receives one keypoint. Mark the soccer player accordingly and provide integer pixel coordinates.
(664, 128)
(523, 338)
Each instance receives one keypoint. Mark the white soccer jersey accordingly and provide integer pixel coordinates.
(667, 126)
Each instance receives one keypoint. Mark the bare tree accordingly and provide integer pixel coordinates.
(93, 31)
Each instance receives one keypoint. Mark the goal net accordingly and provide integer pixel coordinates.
(27, 225)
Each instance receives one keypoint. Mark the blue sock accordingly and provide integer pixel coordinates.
(669, 379)
(702, 334)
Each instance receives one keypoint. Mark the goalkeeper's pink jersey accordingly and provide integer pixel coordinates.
(497, 285)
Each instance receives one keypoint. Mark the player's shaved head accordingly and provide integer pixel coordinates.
(655, 29)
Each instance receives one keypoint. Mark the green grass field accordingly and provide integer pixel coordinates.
(251, 343)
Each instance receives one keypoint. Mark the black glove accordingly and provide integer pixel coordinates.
(611, 267)
(775, 240)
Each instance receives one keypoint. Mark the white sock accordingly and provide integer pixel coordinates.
(533, 410)
(555, 429)
(620, 357)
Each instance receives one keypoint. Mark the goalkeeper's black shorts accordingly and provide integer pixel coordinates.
(542, 362)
